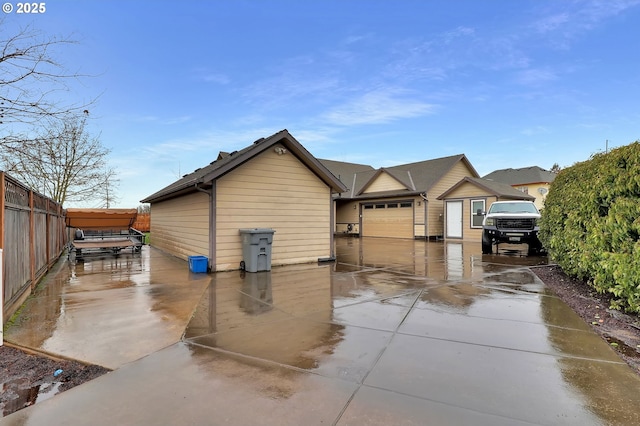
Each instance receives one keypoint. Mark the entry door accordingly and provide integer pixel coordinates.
(454, 219)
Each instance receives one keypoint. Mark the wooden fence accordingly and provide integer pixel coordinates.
(143, 222)
(32, 238)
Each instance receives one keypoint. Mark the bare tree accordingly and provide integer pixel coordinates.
(30, 77)
(65, 163)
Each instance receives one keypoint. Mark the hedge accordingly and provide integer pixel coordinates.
(591, 224)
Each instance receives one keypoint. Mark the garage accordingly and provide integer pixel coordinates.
(388, 219)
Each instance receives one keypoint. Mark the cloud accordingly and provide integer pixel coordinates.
(536, 130)
(459, 32)
(155, 119)
(379, 106)
(535, 76)
(209, 76)
(577, 18)
(550, 23)
(280, 90)
(216, 78)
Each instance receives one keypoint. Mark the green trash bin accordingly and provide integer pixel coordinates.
(256, 249)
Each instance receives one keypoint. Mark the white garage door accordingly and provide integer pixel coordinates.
(390, 219)
(454, 219)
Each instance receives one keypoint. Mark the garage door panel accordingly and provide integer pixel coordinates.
(388, 222)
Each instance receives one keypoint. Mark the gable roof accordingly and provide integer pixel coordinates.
(497, 189)
(417, 177)
(425, 174)
(202, 178)
(522, 176)
(347, 173)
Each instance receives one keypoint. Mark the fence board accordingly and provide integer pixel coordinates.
(143, 222)
(32, 238)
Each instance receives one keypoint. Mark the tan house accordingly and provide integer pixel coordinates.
(273, 183)
(534, 181)
(397, 202)
(466, 199)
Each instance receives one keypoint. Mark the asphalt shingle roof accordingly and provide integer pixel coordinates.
(225, 162)
(498, 189)
(416, 177)
(522, 176)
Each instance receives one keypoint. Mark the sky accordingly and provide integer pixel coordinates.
(507, 83)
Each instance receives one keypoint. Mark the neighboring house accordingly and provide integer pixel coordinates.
(533, 180)
(273, 183)
(466, 202)
(399, 201)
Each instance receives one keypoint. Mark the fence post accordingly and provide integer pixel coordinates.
(1, 299)
(1, 254)
(2, 190)
(32, 240)
(48, 233)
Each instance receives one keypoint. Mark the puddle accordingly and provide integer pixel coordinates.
(621, 346)
(17, 394)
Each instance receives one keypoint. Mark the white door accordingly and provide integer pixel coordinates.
(454, 219)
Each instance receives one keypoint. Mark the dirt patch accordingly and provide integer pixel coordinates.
(621, 331)
(27, 378)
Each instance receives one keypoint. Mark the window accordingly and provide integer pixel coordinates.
(368, 206)
(380, 206)
(392, 205)
(405, 204)
(476, 219)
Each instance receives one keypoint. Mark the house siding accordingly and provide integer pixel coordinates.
(384, 182)
(419, 221)
(533, 189)
(181, 225)
(466, 193)
(278, 192)
(435, 222)
(347, 213)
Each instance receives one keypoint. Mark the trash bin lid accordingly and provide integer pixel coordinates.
(257, 231)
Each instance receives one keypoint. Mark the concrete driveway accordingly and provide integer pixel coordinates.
(395, 332)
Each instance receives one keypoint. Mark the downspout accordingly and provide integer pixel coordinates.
(212, 223)
(332, 254)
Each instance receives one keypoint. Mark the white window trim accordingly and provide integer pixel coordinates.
(473, 212)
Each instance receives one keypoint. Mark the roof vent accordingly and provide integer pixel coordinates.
(258, 141)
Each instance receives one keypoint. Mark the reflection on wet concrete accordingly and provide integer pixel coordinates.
(596, 381)
(393, 332)
(110, 310)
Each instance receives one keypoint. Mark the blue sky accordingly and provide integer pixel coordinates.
(508, 83)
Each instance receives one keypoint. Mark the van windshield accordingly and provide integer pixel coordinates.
(513, 208)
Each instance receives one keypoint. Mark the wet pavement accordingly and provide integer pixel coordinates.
(394, 332)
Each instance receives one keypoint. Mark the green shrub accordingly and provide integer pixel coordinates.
(591, 223)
